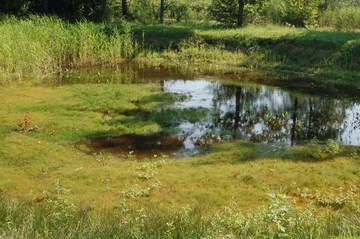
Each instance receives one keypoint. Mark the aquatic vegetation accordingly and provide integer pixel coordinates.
(175, 116)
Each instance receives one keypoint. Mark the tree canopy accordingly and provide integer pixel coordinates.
(229, 13)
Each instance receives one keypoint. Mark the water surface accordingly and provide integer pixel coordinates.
(210, 111)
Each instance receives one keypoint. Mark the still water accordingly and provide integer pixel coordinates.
(264, 114)
(211, 111)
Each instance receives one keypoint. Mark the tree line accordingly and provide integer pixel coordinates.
(228, 13)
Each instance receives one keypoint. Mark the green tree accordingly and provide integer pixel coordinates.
(228, 13)
(240, 13)
(145, 11)
(16, 7)
(124, 8)
(70, 10)
(298, 12)
(162, 10)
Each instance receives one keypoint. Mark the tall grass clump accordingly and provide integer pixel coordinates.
(346, 18)
(40, 46)
(343, 15)
(55, 217)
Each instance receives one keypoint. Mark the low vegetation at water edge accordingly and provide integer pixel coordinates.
(41, 46)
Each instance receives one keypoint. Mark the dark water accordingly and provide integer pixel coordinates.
(211, 111)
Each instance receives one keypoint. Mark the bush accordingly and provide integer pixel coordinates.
(315, 150)
(340, 17)
(224, 12)
(17, 7)
(332, 147)
(298, 13)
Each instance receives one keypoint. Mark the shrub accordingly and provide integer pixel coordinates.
(313, 149)
(332, 147)
(298, 13)
(341, 15)
(224, 12)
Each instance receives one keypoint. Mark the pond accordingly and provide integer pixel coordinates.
(210, 110)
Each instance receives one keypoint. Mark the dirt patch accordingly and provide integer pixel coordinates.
(141, 146)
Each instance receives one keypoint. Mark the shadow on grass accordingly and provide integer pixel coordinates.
(244, 151)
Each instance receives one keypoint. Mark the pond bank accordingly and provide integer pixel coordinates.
(31, 50)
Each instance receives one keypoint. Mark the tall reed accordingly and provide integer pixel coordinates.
(340, 18)
(45, 45)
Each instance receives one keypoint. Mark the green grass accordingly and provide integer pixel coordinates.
(129, 221)
(81, 107)
(190, 204)
(319, 52)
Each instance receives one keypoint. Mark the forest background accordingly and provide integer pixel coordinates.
(341, 14)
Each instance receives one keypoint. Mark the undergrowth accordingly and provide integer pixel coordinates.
(58, 218)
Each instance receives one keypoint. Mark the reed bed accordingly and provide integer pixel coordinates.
(41, 46)
(345, 18)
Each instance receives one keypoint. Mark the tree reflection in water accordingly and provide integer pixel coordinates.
(263, 114)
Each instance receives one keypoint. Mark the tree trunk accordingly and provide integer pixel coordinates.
(293, 127)
(162, 9)
(103, 9)
(240, 17)
(45, 6)
(124, 8)
(237, 111)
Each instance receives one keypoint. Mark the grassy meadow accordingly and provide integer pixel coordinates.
(52, 187)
